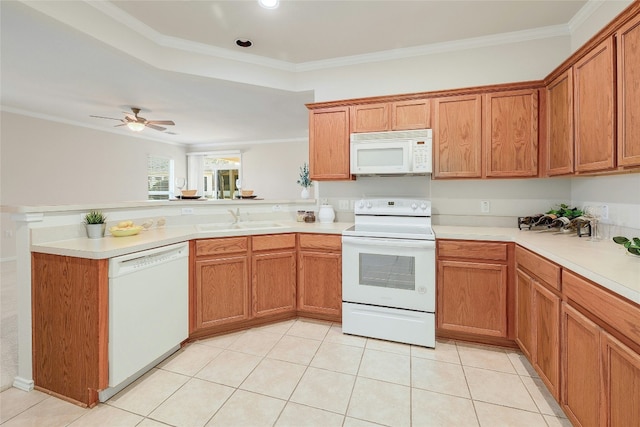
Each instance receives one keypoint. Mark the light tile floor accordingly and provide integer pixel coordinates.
(307, 373)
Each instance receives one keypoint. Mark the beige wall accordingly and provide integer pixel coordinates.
(49, 163)
(271, 170)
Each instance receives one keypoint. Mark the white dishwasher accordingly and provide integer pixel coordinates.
(148, 311)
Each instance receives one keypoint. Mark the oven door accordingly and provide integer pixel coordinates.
(398, 273)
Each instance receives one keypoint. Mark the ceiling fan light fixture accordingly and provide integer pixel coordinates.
(135, 126)
(269, 4)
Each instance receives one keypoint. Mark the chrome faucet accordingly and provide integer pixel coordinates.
(235, 215)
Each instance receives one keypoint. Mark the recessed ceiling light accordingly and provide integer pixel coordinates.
(269, 4)
(244, 43)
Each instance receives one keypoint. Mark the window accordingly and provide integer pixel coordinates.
(159, 175)
(218, 173)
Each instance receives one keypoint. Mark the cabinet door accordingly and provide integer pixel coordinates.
(546, 315)
(457, 137)
(581, 373)
(560, 125)
(274, 283)
(472, 297)
(628, 39)
(511, 132)
(222, 291)
(408, 115)
(320, 283)
(329, 144)
(370, 117)
(594, 113)
(524, 316)
(622, 383)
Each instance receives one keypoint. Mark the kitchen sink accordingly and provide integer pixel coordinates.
(243, 225)
(216, 227)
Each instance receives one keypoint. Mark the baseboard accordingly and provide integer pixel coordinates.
(23, 384)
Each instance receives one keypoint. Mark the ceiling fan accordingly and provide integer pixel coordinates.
(137, 123)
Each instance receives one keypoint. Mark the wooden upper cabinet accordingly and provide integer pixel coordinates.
(628, 44)
(409, 115)
(329, 144)
(511, 133)
(370, 117)
(560, 125)
(457, 137)
(594, 112)
(385, 116)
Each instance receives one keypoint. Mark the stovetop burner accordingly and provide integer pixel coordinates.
(396, 218)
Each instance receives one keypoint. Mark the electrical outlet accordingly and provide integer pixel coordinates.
(276, 208)
(187, 211)
(343, 205)
(604, 212)
(485, 206)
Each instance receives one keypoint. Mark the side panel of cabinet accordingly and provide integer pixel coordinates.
(594, 109)
(472, 297)
(524, 325)
(622, 383)
(329, 144)
(581, 373)
(70, 325)
(370, 117)
(408, 115)
(222, 289)
(628, 38)
(457, 137)
(547, 335)
(511, 132)
(560, 125)
(320, 283)
(274, 283)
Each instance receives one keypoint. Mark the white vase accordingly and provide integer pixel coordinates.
(305, 193)
(95, 231)
(326, 214)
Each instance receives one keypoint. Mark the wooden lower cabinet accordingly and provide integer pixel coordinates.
(70, 326)
(621, 383)
(524, 313)
(472, 288)
(537, 315)
(222, 287)
(546, 356)
(273, 275)
(581, 374)
(320, 276)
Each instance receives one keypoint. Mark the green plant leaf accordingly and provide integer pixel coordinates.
(627, 244)
(620, 240)
(636, 241)
(635, 251)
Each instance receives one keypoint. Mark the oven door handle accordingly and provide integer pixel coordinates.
(385, 242)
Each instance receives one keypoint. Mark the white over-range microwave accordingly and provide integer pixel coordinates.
(392, 153)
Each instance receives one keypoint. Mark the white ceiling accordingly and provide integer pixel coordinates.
(69, 60)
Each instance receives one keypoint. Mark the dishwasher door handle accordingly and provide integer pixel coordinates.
(126, 264)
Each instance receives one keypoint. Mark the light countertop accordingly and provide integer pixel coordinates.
(603, 262)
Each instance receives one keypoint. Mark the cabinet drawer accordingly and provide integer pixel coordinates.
(618, 313)
(463, 249)
(274, 241)
(225, 245)
(327, 242)
(545, 270)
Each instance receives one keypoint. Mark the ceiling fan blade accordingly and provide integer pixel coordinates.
(102, 117)
(155, 127)
(161, 122)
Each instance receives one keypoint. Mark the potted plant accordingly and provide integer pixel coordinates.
(632, 246)
(304, 180)
(95, 222)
